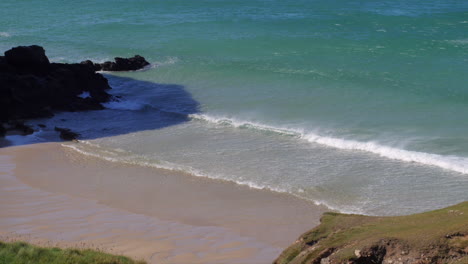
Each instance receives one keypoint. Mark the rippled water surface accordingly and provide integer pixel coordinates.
(359, 105)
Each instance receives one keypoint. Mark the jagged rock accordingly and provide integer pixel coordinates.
(121, 64)
(32, 87)
(370, 255)
(92, 65)
(67, 134)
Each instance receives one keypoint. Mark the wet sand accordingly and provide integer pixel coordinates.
(53, 195)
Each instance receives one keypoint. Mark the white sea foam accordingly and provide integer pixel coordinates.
(5, 34)
(127, 158)
(246, 124)
(167, 61)
(453, 163)
(120, 156)
(90, 149)
(458, 41)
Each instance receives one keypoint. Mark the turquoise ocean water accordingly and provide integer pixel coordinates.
(358, 105)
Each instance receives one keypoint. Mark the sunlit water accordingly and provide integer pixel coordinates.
(358, 105)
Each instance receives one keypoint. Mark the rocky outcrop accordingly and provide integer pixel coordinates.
(435, 237)
(66, 134)
(32, 87)
(120, 64)
(32, 58)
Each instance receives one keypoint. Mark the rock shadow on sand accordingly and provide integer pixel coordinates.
(139, 106)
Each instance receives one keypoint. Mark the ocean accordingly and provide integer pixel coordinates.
(361, 106)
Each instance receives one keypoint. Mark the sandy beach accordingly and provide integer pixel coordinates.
(52, 195)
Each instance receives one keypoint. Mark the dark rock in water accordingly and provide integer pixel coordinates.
(67, 134)
(24, 129)
(16, 127)
(131, 64)
(32, 87)
(121, 64)
(28, 57)
(41, 125)
(92, 65)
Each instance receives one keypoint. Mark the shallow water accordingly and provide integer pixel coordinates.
(359, 105)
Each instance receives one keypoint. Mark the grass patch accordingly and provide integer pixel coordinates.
(23, 253)
(441, 234)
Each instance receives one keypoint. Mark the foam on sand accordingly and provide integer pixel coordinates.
(161, 215)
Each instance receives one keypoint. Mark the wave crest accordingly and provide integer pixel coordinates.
(452, 163)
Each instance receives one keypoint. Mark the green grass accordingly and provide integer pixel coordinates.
(444, 229)
(23, 253)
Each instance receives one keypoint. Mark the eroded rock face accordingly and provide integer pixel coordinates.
(32, 87)
(434, 237)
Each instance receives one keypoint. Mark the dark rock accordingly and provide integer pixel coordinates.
(28, 57)
(41, 125)
(92, 65)
(24, 129)
(121, 64)
(108, 66)
(374, 254)
(131, 64)
(67, 134)
(32, 87)
(15, 128)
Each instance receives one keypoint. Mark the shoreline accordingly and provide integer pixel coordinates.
(179, 218)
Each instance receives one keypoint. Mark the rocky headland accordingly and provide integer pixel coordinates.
(435, 237)
(33, 87)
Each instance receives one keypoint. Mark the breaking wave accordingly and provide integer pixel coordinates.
(453, 163)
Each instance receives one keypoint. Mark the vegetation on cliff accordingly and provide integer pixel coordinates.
(439, 236)
(23, 253)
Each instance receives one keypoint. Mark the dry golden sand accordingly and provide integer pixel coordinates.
(52, 195)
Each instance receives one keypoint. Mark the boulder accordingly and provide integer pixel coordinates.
(28, 58)
(66, 134)
(131, 64)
